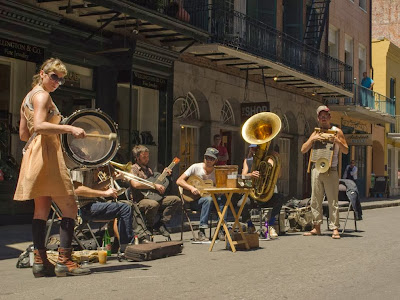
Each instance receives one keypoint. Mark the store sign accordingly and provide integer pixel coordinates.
(21, 51)
(72, 79)
(249, 109)
(359, 139)
(148, 81)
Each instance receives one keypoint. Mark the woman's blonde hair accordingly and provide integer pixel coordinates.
(50, 65)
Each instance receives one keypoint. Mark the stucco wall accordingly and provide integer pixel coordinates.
(217, 87)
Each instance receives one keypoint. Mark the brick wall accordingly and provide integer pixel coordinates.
(386, 20)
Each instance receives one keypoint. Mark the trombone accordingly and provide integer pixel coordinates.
(129, 176)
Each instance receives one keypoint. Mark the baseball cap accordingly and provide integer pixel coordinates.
(212, 152)
(253, 145)
(322, 108)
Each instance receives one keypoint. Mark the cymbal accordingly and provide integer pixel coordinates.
(322, 165)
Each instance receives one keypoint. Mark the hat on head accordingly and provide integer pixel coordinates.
(212, 152)
(253, 145)
(322, 108)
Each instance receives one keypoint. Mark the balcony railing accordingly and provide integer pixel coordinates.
(239, 31)
(369, 99)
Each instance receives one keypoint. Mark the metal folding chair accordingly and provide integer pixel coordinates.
(344, 201)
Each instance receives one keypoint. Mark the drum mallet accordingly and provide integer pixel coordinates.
(111, 136)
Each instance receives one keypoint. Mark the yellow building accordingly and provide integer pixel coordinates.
(386, 68)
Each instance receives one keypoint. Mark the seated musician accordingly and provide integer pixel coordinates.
(165, 207)
(204, 170)
(276, 200)
(93, 206)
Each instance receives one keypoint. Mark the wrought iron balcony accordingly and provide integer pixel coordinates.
(366, 102)
(241, 32)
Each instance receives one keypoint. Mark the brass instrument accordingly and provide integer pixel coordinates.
(322, 151)
(124, 169)
(260, 129)
(103, 177)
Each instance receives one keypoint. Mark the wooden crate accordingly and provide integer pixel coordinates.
(252, 240)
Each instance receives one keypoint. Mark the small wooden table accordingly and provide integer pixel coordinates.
(228, 193)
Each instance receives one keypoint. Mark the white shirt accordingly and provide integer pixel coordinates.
(353, 172)
(198, 169)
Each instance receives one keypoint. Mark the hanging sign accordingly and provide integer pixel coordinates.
(21, 51)
(359, 139)
(149, 81)
(249, 109)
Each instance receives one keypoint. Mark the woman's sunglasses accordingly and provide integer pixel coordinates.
(55, 78)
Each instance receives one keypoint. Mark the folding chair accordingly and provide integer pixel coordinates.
(344, 201)
(185, 213)
(81, 225)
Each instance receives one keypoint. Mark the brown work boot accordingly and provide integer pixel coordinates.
(65, 266)
(41, 265)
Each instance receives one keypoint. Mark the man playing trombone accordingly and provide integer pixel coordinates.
(91, 193)
(164, 206)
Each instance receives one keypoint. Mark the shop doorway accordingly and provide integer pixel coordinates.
(227, 143)
(360, 156)
(189, 137)
(284, 152)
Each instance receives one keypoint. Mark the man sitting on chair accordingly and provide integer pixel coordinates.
(93, 206)
(165, 207)
(205, 170)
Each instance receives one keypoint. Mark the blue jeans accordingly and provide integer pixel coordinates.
(206, 204)
(108, 211)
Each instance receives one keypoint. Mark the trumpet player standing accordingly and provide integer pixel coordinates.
(328, 182)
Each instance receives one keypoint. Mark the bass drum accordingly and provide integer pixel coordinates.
(89, 152)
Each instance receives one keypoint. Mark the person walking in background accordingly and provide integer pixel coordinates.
(44, 176)
(325, 183)
(223, 155)
(350, 172)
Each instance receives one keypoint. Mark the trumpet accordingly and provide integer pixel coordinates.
(123, 168)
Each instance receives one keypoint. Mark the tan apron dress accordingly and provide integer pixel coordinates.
(43, 171)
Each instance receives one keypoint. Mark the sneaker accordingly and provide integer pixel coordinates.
(221, 235)
(202, 236)
(272, 232)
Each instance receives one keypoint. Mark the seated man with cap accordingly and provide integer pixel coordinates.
(204, 170)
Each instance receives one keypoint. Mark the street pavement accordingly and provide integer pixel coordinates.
(361, 265)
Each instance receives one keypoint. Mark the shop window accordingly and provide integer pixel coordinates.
(186, 108)
(5, 120)
(285, 124)
(227, 116)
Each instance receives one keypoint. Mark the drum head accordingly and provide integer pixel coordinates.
(89, 152)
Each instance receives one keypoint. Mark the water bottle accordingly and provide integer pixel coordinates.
(266, 229)
(136, 240)
(107, 242)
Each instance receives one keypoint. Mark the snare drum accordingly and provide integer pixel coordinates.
(89, 152)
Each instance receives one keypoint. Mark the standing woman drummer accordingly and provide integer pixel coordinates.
(44, 176)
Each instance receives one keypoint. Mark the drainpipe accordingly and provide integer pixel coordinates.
(370, 39)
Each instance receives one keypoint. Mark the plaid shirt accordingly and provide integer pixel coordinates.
(142, 172)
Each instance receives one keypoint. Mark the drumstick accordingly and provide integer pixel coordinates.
(111, 136)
